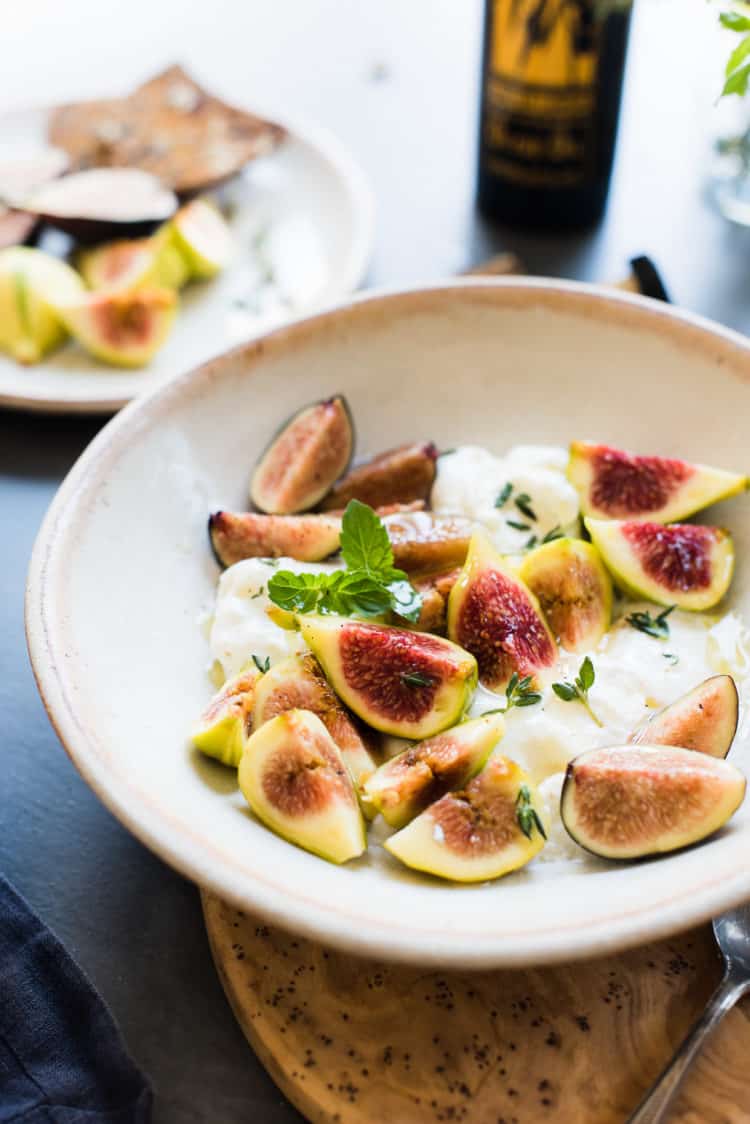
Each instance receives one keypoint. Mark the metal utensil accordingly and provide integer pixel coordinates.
(732, 932)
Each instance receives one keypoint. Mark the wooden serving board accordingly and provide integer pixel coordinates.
(353, 1041)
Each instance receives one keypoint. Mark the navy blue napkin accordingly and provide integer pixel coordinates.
(62, 1059)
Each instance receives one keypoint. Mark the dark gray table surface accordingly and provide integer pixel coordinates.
(398, 83)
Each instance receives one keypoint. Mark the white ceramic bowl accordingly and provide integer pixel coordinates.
(121, 571)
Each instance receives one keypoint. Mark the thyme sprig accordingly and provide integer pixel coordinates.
(262, 665)
(527, 815)
(415, 679)
(519, 692)
(523, 503)
(578, 690)
(657, 626)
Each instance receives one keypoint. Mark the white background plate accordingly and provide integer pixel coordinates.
(313, 209)
(121, 571)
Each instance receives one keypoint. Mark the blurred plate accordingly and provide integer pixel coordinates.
(303, 219)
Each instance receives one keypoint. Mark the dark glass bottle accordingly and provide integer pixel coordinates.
(552, 76)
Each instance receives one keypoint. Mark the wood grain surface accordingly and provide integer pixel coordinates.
(354, 1041)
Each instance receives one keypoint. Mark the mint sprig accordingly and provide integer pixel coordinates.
(737, 70)
(370, 586)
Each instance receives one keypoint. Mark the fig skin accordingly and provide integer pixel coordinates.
(376, 670)
(474, 835)
(421, 774)
(494, 616)
(683, 564)
(302, 461)
(574, 590)
(221, 730)
(133, 264)
(299, 684)
(125, 329)
(614, 484)
(203, 239)
(397, 476)
(307, 538)
(632, 801)
(704, 720)
(424, 543)
(31, 285)
(294, 779)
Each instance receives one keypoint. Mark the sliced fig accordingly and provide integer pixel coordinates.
(294, 779)
(493, 615)
(614, 484)
(631, 801)
(299, 684)
(494, 825)
(304, 458)
(421, 774)
(684, 564)
(133, 263)
(122, 328)
(203, 238)
(397, 476)
(101, 203)
(704, 720)
(18, 177)
(424, 543)
(15, 227)
(221, 729)
(574, 589)
(308, 538)
(435, 591)
(398, 681)
(32, 283)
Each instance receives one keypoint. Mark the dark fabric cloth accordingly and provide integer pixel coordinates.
(62, 1059)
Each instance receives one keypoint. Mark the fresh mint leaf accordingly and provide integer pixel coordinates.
(297, 593)
(405, 599)
(738, 56)
(364, 540)
(737, 82)
(734, 21)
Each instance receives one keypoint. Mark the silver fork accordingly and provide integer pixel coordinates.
(732, 932)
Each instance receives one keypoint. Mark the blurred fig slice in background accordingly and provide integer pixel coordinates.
(125, 329)
(614, 484)
(171, 127)
(101, 203)
(19, 176)
(704, 720)
(32, 284)
(396, 476)
(636, 800)
(304, 458)
(307, 538)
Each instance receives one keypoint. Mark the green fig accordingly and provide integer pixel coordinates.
(574, 590)
(224, 724)
(203, 238)
(704, 720)
(32, 283)
(122, 328)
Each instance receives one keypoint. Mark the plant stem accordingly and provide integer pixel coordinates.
(586, 703)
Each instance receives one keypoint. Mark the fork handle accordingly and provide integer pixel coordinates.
(654, 1106)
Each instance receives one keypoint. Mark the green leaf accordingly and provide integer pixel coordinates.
(738, 56)
(527, 815)
(416, 679)
(586, 674)
(364, 540)
(657, 626)
(405, 599)
(734, 21)
(262, 665)
(518, 526)
(556, 533)
(523, 503)
(737, 82)
(565, 691)
(298, 593)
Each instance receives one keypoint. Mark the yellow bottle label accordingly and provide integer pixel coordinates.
(540, 90)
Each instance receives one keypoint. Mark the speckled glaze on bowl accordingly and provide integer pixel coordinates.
(121, 571)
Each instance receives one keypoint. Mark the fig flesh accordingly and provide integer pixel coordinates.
(299, 684)
(493, 615)
(133, 263)
(496, 824)
(684, 564)
(421, 774)
(299, 466)
(102, 203)
(125, 329)
(222, 728)
(18, 177)
(631, 801)
(435, 591)
(704, 720)
(203, 239)
(397, 476)
(32, 283)
(424, 543)
(574, 590)
(308, 538)
(294, 779)
(404, 683)
(614, 484)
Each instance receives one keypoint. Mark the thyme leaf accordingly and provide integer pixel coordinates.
(527, 815)
(578, 690)
(504, 495)
(657, 626)
(415, 679)
(262, 665)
